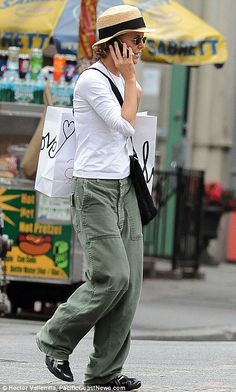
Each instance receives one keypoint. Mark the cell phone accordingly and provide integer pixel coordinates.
(120, 44)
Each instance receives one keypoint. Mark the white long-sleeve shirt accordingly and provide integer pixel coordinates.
(101, 132)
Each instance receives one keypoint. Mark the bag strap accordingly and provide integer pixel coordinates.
(113, 86)
(135, 155)
(120, 100)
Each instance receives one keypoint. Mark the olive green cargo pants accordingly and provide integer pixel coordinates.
(107, 220)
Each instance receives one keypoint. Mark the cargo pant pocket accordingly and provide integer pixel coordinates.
(75, 215)
(108, 267)
(78, 201)
(134, 219)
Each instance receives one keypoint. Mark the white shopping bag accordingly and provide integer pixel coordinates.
(56, 159)
(144, 141)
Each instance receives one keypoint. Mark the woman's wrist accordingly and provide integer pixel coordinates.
(130, 79)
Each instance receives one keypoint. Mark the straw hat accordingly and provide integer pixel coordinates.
(119, 20)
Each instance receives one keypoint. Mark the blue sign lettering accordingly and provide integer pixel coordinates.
(191, 48)
(172, 48)
(15, 39)
(180, 48)
(211, 42)
(161, 47)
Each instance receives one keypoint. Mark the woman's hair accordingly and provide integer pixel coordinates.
(102, 50)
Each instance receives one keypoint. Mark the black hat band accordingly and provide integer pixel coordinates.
(133, 24)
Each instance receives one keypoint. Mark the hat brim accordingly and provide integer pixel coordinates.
(140, 30)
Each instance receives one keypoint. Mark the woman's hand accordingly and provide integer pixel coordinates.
(123, 63)
(125, 66)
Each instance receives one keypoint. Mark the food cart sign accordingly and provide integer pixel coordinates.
(40, 250)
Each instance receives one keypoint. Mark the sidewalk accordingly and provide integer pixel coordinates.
(189, 309)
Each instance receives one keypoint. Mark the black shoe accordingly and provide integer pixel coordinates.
(60, 368)
(124, 383)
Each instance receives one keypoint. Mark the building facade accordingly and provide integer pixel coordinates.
(209, 136)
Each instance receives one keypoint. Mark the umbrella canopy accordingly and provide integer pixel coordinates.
(30, 24)
(180, 36)
(66, 31)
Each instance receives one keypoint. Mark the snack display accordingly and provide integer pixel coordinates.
(8, 166)
(22, 77)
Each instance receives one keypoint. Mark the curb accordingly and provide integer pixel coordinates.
(224, 335)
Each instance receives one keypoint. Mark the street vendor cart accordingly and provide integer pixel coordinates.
(45, 263)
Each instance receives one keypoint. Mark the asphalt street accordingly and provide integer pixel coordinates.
(161, 365)
(184, 339)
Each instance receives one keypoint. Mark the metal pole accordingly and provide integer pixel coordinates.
(177, 227)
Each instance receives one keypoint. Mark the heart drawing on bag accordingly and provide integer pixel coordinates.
(68, 128)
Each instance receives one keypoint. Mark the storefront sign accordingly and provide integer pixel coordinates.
(39, 250)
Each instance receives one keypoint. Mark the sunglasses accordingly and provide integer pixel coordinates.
(139, 40)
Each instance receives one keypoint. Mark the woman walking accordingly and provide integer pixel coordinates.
(104, 210)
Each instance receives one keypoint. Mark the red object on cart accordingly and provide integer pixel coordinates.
(231, 239)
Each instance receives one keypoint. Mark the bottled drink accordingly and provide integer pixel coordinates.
(24, 64)
(3, 61)
(59, 62)
(38, 92)
(13, 53)
(23, 90)
(71, 67)
(36, 62)
(6, 90)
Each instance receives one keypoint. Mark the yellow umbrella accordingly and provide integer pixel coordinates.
(180, 36)
(29, 24)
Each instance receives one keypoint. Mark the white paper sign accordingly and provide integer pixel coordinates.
(151, 82)
(53, 209)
